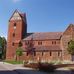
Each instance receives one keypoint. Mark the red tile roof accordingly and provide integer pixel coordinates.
(52, 48)
(47, 48)
(43, 36)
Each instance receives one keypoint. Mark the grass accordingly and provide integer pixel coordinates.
(14, 62)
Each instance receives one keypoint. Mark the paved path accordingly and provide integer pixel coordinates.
(6, 68)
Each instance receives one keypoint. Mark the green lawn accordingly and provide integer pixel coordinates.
(14, 62)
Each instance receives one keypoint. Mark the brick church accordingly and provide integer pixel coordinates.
(47, 46)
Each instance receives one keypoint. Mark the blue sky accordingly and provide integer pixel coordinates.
(42, 15)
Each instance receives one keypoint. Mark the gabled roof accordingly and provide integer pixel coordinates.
(22, 15)
(43, 36)
(69, 30)
(46, 48)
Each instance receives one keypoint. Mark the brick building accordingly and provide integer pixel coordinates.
(47, 46)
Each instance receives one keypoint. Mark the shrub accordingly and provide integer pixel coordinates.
(52, 62)
(58, 62)
(67, 62)
(55, 62)
(46, 67)
(32, 65)
(41, 66)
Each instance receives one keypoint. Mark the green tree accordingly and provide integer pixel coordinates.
(71, 47)
(30, 49)
(19, 52)
(3, 45)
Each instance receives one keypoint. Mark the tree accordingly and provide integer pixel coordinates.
(3, 45)
(19, 52)
(71, 47)
(30, 49)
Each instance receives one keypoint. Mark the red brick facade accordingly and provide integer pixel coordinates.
(17, 30)
(48, 46)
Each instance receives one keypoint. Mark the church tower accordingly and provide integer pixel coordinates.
(17, 30)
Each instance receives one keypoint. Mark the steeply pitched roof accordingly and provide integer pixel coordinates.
(43, 36)
(22, 15)
(69, 30)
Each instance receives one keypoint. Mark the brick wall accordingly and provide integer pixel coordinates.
(19, 29)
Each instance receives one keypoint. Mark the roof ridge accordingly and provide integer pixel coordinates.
(47, 32)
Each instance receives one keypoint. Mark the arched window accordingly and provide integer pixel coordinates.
(14, 24)
(50, 53)
(13, 44)
(39, 43)
(34, 53)
(42, 53)
(53, 42)
(58, 53)
(13, 34)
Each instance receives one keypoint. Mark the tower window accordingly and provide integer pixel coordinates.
(13, 34)
(13, 44)
(14, 25)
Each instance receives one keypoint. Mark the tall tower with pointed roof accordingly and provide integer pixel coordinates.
(17, 30)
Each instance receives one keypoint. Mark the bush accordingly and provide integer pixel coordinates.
(32, 65)
(46, 67)
(67, 62)
(58, 62)
(41, 66)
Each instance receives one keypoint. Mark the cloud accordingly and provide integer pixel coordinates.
(16, 1)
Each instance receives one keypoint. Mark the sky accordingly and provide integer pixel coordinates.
(42, 15)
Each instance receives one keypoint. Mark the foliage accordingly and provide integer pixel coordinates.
(46, 67)
(19, 51)
(3, 45)
(71, 47)
(31, 65)
(14, 62)
(41, 66)
(55, 62)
